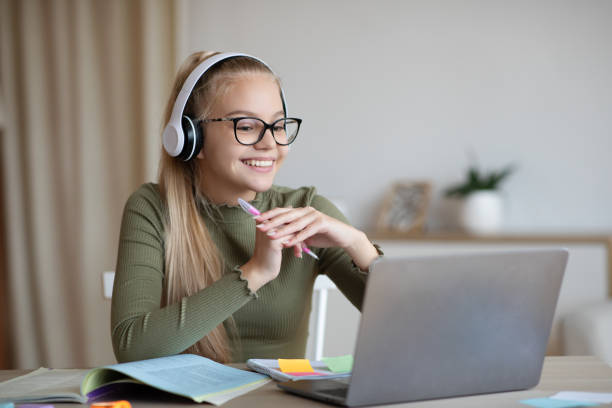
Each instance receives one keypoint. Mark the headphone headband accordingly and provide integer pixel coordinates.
(173, 135)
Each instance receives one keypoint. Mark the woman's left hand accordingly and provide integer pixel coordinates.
(309, 226)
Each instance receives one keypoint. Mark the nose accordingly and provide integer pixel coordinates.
(267, 141)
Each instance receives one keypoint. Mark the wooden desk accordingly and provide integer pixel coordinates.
(560, 374)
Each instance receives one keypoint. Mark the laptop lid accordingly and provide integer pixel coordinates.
(443, 326)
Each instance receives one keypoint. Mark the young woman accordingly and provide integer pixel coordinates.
(197, 274)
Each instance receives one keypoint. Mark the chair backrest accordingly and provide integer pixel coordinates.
(321, 288)
(108, 277)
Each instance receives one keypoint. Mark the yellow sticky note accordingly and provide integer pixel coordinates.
(294, 365)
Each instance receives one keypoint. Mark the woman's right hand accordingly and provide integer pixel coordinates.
(265, 263)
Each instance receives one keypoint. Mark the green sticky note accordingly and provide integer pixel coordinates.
(342, 364)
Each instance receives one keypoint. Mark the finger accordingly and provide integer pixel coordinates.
(280, 243)
(297, 250)
(282, 240)
(310, 230)
(278, 216)
(287, 218)
(274, 212)
(264, 223)
(294, 226)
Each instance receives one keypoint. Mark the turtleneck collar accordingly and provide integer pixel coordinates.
(226, 213)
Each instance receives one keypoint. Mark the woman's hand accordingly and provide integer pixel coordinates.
(295, 226)
(306, 225)
(265, 263)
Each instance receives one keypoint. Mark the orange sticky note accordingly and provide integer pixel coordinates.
(294, 365)
(112, 404)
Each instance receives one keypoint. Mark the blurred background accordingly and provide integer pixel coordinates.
(388, 90)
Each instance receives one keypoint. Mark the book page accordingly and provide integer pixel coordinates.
(44, 385)
(188, 375)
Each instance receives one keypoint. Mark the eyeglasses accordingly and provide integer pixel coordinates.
(249, 131)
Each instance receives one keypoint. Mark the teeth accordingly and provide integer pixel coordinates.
(258, 163)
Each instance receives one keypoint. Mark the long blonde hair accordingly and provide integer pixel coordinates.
(192, 260)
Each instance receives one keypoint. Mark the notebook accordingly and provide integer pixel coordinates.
(446, 326)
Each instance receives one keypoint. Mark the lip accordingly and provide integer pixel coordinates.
(258, 158)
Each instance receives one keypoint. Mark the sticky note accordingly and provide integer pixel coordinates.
(554, 403)
(305, 374)
(294, 365)
(342, 364)
(112, 404)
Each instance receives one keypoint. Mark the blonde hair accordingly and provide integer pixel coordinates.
(192, 260)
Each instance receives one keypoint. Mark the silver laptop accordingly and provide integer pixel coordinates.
(446, 326)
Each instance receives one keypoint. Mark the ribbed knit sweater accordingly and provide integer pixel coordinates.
(271, 323)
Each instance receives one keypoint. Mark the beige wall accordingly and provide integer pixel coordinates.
(409, 89)
(406, 89)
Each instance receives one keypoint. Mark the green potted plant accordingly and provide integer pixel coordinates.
(482, 205)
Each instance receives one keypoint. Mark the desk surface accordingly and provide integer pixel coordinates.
(563, 373)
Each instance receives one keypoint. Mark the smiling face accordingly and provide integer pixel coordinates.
(229, 169)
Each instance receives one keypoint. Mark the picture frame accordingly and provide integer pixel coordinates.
(404, 208)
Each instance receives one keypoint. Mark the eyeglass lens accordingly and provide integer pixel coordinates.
(249, 130)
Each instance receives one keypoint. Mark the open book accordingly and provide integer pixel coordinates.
(187, 375)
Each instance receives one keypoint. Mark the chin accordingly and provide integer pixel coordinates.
(260, 187)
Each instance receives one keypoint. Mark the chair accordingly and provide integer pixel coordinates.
(321, 288)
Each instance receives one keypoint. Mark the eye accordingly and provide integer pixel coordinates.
(247, 125)
(280, 125)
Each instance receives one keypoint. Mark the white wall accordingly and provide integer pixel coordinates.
(405, 89)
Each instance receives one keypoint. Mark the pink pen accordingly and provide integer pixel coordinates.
(249, 209)
(309, 252)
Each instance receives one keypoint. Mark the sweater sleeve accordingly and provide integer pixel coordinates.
(337, 264)
(140, 328)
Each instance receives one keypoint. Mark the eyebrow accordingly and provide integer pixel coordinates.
(251, 113)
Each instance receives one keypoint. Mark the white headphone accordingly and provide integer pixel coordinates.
(182, 136)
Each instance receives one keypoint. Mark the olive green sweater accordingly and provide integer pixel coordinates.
(272, 323)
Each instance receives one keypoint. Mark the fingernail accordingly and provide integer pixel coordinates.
(271, 232)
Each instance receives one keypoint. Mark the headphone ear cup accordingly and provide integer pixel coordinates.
(190, 131)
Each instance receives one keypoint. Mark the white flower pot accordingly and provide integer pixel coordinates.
(482, 212)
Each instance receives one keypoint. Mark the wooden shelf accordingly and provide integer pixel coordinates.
(602, 238)
(505, 237)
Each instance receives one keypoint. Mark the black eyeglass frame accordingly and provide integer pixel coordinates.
(263, 132)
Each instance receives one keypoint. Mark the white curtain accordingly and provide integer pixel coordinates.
(83, 86)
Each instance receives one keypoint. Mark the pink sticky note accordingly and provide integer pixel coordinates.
(304, 374)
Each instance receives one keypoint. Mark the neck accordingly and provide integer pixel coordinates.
(219, 196)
